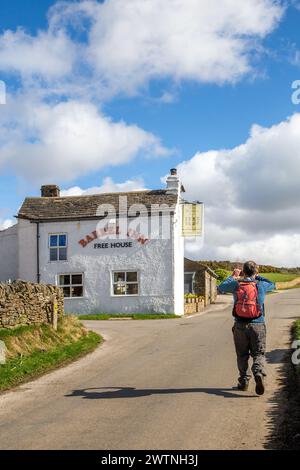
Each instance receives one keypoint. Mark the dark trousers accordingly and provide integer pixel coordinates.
(250, 340)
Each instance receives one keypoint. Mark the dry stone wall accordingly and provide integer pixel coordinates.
(25, 303)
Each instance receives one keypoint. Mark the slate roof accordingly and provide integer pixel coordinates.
(193, 266)
(85, 207)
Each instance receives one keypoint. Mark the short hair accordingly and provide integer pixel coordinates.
(250, 268)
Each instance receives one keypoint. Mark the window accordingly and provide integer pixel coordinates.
(72, 285)
(189, 279)
(125, 283)
(58, 247)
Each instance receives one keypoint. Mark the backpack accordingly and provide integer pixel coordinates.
(246, 306)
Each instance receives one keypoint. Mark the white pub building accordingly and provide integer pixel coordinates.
(111, 253)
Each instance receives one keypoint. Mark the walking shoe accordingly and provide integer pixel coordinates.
(260, 385)
(243, 385)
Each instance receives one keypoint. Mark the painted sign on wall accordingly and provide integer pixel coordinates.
(96, 235)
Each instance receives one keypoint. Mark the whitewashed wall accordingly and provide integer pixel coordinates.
(153, 261)
(9, 253)
(178, 263)
(27, 251)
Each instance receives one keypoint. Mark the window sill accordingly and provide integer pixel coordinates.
(75, 298)
(60, 262)
(124, 296)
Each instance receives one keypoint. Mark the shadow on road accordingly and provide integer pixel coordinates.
(131, 392)
(275, 356)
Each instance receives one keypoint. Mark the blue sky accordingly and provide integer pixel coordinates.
(181, 114)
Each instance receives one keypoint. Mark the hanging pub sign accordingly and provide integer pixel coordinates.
(192, 219)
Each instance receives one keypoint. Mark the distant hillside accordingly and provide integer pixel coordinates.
(229, 266)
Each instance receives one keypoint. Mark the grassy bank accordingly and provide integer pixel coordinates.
(285, 417)
(34, 350)
(133, 316)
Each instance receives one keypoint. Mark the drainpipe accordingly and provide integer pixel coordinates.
(38, 274)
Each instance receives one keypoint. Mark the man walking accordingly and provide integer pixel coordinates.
(249, 330)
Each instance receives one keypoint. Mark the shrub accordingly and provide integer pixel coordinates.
(222, 275)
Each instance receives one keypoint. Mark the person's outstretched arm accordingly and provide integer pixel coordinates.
(268, 285)
(228, 286)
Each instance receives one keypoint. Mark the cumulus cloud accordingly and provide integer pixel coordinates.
(45, 142)
(278, 250)
(108, 186)
(251, 193)
(199, 40)
(6, 223)
(49, 55)
(296, 4)
(51, 131)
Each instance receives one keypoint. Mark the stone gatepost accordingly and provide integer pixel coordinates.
(3, 352)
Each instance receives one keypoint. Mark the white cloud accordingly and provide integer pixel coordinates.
(107, 186)
(50, 55)
(296, 4)
(278, 250)
(261, 174)
(6, 223)
(202, 40)
(133, 42)
(119, 47)
(252, 194)
(281, 250)
(60, 142)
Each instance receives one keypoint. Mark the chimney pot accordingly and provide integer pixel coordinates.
(173, 182)
(50, 190)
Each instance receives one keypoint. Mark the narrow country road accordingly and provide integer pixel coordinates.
(161, 384)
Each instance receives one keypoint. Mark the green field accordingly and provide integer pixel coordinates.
(277, 277)
(280, 277)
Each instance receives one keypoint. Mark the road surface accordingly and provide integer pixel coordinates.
(159, 384)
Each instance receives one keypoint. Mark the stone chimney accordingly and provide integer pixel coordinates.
(50, 190)
(174, 185)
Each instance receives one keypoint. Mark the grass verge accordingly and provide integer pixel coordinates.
(133, 316)
(285, 413)
(297, 337)
(297, 329)
(297, 286)
(35, 350)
